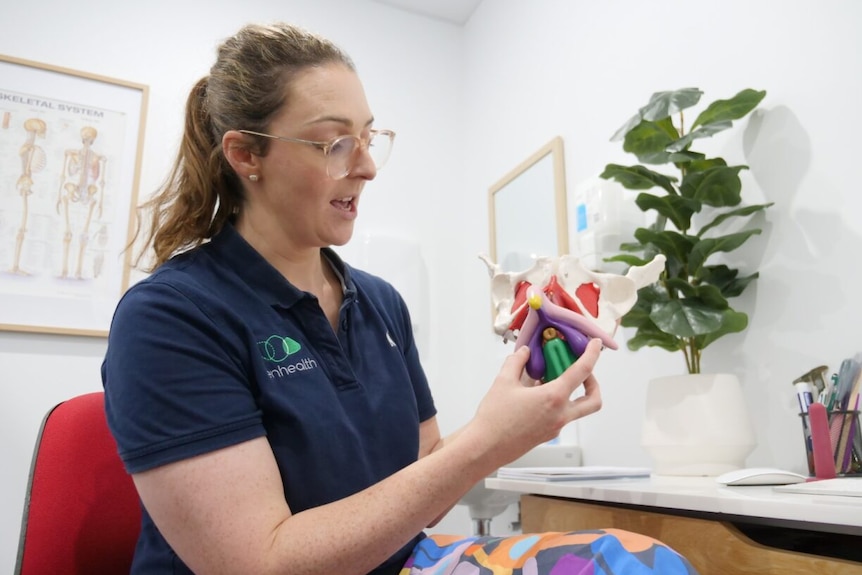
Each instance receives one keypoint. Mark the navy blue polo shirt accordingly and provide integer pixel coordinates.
(216, 348)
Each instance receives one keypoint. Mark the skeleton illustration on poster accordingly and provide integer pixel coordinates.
(67, 175)
(55, 156)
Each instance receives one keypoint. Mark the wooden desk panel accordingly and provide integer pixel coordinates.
(713, 547)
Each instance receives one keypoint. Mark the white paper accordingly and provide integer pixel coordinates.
(571, 473)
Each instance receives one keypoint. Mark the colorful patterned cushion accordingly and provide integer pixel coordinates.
(598, 552)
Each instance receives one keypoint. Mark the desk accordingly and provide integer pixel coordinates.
(721, 530)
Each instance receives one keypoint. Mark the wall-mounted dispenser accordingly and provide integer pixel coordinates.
(603, 214)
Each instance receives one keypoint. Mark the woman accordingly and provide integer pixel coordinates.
(266, 397)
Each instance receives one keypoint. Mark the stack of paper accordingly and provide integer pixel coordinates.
(570, 473)
(843, 486)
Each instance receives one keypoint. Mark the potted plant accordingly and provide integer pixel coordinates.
(688, 308)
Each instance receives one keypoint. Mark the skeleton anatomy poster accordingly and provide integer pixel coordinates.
(69, 164)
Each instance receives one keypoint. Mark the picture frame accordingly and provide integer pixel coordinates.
(527, 210)
(70, 159)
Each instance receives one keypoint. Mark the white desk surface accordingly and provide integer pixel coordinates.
(701, 494)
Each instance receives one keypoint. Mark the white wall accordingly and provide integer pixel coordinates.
(468, 105)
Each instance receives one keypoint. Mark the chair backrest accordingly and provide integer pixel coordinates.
(82, 514)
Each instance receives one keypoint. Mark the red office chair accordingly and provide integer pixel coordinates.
(81, 514)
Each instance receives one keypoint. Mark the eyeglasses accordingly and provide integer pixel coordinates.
(341, 152)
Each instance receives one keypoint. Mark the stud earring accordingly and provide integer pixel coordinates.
(253, 177)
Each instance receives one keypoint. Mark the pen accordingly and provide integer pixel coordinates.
(847, 440)
(833, 392)
(805, 397)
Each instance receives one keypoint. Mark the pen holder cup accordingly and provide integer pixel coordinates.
(845, 436)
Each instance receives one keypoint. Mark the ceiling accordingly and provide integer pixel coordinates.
(454, 11)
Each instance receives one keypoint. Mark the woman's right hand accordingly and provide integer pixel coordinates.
(518, 414)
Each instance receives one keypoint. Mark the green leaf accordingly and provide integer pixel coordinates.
(725, 279)
(719, 275)
(638, 178)
(686, 157)
(732, 109)
(655, 338)
(681, 286)
(648, 334)
(660, 106)
(739, 212)
(622, 131)
(631, 247)
(675, 208)
(711, 296)
(683, 318)
(666, 124)
(627, 259)
(736, 287)
(672, 244)
(638, 316)
(708, 295)
(648, 141)
(708, 246)
(732, 321)
(701, 165)
(650, 294)
(718, 186)
(705, 131)
(647, 296)
(664, 104)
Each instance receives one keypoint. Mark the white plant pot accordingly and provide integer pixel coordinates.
(697, 425)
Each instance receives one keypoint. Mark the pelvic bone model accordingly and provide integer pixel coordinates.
(558, 302)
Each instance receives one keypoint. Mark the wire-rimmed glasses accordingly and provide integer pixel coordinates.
(341, 152)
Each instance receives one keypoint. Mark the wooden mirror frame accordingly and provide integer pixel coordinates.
(545, 169)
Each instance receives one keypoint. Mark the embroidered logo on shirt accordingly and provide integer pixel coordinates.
(389, 339)
(277, 348)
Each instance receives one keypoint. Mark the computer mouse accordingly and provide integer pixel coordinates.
(760, 476)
